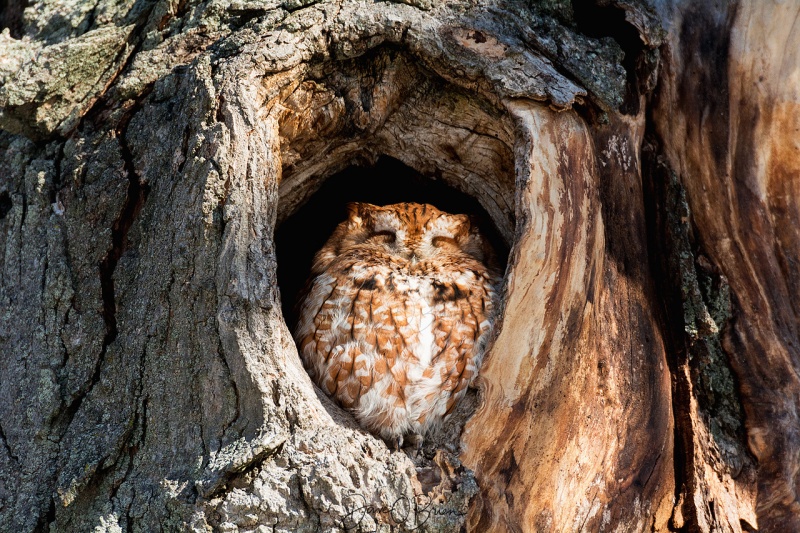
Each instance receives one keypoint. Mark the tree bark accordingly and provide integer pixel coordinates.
(639, 159)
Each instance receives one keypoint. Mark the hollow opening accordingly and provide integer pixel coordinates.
(11, 12)
(382, 130)
(608, 21)
(388, 181)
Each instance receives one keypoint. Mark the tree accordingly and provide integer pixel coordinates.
(640, 159)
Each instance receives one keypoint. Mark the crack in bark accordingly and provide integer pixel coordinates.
(5, 204)
(184, 151)
(237, 401)
(180, 11)
(135, 197)
(24, 210)
(127, 444)
(243, 470)
(6, 446)
(132, 48)
(90, 17)
(240, 17)
(140, 421)
(44, 522)
(57, 180)
(676, 354)
(694, 313)
(293, 6)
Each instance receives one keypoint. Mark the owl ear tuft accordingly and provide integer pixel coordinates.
(357, 212)
(464, 224)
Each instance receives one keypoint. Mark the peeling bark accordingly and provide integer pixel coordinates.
(638, 159)
(732, 154)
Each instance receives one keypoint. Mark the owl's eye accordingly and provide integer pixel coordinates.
(387, 235)
(443, 241)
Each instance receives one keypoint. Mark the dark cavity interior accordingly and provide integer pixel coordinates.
(389, 181)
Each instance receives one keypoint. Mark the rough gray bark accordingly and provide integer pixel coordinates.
(643, 375)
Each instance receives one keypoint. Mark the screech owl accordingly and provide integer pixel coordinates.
(397, 314)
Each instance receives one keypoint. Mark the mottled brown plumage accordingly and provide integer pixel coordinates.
(397, 315)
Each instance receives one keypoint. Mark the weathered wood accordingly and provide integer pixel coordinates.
(727, 120)
(639, 159)
(558, 437)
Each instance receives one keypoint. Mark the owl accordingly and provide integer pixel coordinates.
(397, 314)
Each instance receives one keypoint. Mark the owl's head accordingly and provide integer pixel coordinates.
(415, 232)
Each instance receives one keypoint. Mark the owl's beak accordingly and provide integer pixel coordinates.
(413, 259)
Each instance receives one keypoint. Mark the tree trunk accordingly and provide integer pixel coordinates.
(638, 158)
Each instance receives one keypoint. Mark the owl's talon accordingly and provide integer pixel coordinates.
(414, 443)
(416, 440)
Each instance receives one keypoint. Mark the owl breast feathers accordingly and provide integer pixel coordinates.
(397, 315)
